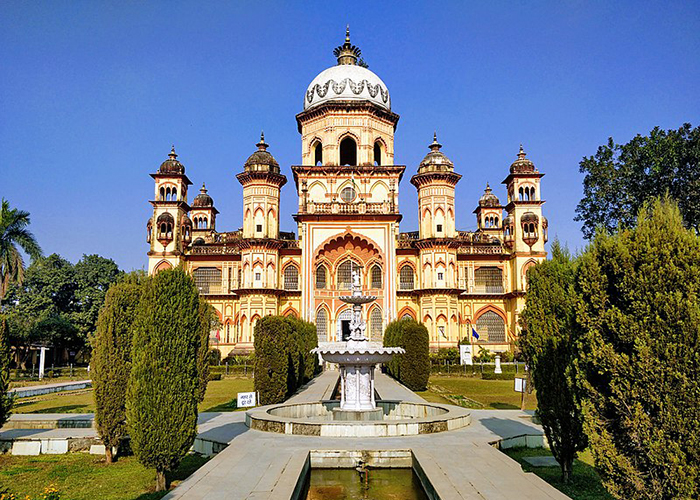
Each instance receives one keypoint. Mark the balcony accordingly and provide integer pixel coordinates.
(358, 208)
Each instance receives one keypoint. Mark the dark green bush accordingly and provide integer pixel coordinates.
(283, 358)
(214, 376)
(214, 357)
(498, 376)
(412, 368)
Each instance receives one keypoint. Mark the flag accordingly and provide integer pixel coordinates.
(474, 334)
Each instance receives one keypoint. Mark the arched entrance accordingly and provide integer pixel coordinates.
(343, 325)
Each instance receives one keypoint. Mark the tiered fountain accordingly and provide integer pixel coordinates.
(357, 359)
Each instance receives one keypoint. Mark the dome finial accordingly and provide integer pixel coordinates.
(435, 146)
(521, 153)
(347, 53)
(261, 145)
(203, 189)
(172, 154)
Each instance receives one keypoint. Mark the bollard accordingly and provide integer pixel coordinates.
(227, 367)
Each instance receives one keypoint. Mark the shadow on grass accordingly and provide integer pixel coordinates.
(503, 406)
(186, 468)
(57, 409)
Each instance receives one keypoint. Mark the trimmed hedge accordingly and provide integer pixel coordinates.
(412, 368)
(283, 358)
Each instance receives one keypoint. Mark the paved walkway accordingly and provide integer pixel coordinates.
(461, 464)
(38, 390)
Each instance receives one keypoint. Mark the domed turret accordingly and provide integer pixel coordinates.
(203, 199)
(347, 81)
(488, 199)
(171, 165)
(261, 160)
(522, 165)
(435, 161)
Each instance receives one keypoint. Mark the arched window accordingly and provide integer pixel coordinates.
(376, 325)
(165, 224)
(207, 279)
(376, 277)
(488, 280)
(320, 277)
(521, 194)
(406, 278)
(406, 316)
(377, 154)
(322, 325)
(491, 327)
(162, 194)
(291, 278)
(348, 151)
(174, 195)
(344, 275)
(205, 223)
(318, 154)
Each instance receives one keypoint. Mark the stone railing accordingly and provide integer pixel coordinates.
(213, 250)
(358, 208)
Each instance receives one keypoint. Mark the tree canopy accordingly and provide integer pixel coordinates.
(549, 324)
(638, 355)
(14, 235)
(620, 178)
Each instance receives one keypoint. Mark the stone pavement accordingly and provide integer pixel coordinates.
(38, 390)
(460, 464)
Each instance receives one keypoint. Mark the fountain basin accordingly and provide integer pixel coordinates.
(399, 418)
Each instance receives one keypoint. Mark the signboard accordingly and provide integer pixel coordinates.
(246, 399)
(465, 354)
(520, 385)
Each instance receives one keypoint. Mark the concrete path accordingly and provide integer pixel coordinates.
(38, 390)
(461, 464)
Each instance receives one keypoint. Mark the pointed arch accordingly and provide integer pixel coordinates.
(162, 266)
(322, 318)
(407, 312)
(347, 149)
(376, 324)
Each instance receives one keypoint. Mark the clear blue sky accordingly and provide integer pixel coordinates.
(92, 95)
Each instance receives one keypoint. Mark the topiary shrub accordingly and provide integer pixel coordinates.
(412, 368)
(272, 337)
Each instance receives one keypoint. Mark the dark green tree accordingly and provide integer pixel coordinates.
(209, 321)
(14, 236)
(111, 361)
(5, 398)
(93, 277)
(413, 367)
(639, 356)
(620, 178)
(546, 342)
(273, 336)
(163, 388)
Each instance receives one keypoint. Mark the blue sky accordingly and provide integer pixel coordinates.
(92, 95)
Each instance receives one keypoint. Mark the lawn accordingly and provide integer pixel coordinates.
(585, 483)
(219, 393)
(474, 392)
(80, 476)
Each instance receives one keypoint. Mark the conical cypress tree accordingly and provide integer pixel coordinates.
(5, 399)
(111, 361)
(164, 383)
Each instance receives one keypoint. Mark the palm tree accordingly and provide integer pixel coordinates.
(13, 236)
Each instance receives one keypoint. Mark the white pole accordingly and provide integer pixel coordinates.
(42, 359)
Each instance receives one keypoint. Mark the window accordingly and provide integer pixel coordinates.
(318, 154)
(348, 151)
(406, 316)
(322, 325)
(207, 279)
(406, 278)
(439, 228)
(377, 154)
(347, 194)
(491, 327)
(376, 277)
(258, 228)
(376, 325)
(240, 278)
(488, 280)
(291, 278)
(344, 275)
(320, 277)
(441, 276)
(257, 276)
(441, 331)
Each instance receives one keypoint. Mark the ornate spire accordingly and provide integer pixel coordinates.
(435, 146)
(203, 190)
(261, 145)
(521, 153)
(172, 155)
(347, 53)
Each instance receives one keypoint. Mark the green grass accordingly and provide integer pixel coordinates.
(80, 476)
(474, 392)
(585, 483)
(219, 395)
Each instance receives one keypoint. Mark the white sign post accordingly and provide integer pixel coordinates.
(42, 362)
(465, 354)
(521, 387)
(246, 399)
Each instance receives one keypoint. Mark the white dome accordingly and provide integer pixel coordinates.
(347, 82)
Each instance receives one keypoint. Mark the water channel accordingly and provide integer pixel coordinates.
(377, 484)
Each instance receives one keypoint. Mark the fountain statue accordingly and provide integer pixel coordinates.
(357, 359)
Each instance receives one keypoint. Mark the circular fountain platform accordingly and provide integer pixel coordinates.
(399, 418)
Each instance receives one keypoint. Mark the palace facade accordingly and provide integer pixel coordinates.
(348, 219)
